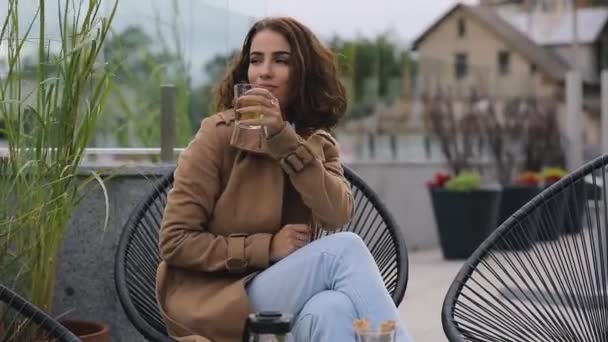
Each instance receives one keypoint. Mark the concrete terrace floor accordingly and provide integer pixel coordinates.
(429, 278)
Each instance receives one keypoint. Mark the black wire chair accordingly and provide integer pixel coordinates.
(555, 289)
(138, 256)
(21, 321)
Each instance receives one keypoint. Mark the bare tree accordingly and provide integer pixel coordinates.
(460, 138)
(525, 137)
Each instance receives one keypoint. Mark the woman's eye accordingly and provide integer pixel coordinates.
(283, 61)
(254, 61)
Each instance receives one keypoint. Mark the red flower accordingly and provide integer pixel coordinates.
(528, 178)
(438, 180)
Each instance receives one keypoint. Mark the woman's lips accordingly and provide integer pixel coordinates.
(267, 86)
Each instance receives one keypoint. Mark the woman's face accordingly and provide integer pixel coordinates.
(270, 64)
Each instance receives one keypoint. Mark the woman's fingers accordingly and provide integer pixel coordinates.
(299, 242)
(262, 92)
(264, 116)
(298, 235)
(259, 109)
(252, 100)
(302, 236)
(263, 121)
(300, 239)
(301, 228)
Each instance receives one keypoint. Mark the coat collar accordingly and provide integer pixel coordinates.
(251, 140)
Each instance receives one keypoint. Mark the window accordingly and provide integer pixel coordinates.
(462, 27)
(504, 62)
(461, 67)
(533, 68)
(602, 53)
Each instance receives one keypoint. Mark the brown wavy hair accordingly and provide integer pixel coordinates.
(318, 98)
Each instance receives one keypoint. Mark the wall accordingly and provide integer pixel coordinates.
(402, 187)
(85, 285)
(585, 57)
(437, 52)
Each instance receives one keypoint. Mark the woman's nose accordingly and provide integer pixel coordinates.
(266, 70)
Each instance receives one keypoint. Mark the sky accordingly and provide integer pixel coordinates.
(349, 18)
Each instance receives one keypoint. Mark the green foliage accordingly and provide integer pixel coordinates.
(203, 99)
(142, 66)
(464, 181)
(598, 2)
(48, 122)
(552, 174)
(368, 67)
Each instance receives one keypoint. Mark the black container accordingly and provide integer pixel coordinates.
(567, 208)
(573, 216)
(513, 198)
(267, 326)
(464, 219)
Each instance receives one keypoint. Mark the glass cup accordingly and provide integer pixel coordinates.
(239, 90)
(374, 336)
(364, 333)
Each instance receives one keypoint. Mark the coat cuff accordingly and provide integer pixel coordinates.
(248, 251)
(257, 251)
(290, 150)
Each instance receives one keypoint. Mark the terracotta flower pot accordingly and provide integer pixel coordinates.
(88, 331)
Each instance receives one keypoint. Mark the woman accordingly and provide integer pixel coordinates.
(248, 200)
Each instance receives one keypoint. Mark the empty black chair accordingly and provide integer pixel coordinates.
(21, 321)
(554, 289)
(138, 255)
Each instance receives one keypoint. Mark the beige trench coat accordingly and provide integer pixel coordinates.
(233, 190)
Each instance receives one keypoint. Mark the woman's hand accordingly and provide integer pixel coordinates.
(287, 240)
(262, 101)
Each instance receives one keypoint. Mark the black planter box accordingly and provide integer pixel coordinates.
(567, 212)
(513, 198)
(464, 219)
(574, 213)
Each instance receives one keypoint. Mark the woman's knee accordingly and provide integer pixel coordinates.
(324, 315)
(351, 247)
(349, 241)
(326, 304)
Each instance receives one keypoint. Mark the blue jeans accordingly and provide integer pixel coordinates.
(326, 285)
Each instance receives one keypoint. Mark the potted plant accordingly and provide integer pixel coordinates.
(516, 142)
(567, 205)
(524, 139)
(514, 196)
(550, 175)
(465, 212)
(51, 102)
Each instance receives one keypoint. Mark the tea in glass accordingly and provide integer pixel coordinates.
(239, 90)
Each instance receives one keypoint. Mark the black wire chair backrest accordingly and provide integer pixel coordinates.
(138, 256)
(22, 321)
(543, 274)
